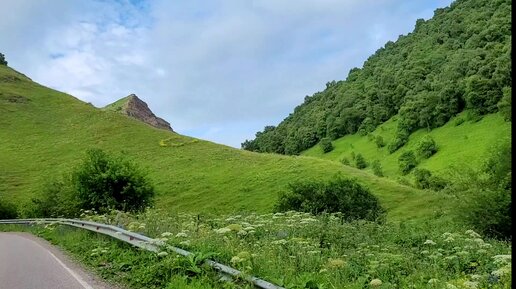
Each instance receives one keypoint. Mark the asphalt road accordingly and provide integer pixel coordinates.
(27, 262)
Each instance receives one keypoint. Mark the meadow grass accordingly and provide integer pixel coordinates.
(292, 249)
(45, 134)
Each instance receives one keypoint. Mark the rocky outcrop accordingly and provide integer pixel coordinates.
(138, 109)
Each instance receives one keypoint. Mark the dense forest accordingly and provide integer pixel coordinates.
(460, 59)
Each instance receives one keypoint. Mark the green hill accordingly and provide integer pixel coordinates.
(459, 60)
(459, 142)
(44, 133)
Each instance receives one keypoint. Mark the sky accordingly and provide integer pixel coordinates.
(218, 70)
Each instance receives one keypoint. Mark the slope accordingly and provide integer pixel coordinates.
(45, 133)
(460, 142)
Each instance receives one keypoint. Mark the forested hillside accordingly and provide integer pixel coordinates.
(458, 60)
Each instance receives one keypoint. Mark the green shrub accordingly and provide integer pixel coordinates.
(422, 178)
(505, 104)
(326, 145)
(342, 195)
(485, 196)
(360, 162)
(2, 59)
(426, 147)
(458, 121)
(8, 210)
(104, 182)
(378, 140)
(59, 200)
(345, 161)
(407, 161)
(399, 140)
(377, 168)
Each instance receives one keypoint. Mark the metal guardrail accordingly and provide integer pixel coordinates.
(143, 242)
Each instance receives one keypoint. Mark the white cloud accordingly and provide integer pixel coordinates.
(219, 69)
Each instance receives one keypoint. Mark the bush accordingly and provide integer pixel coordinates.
(378, 140)
(104, 183)
(345, 161)
(2, 59)
(422, 178)
(377, 168)
(458, 121)
(399, 140)
(505, 104)
(343, 195)
(426, 147)
(326, 145)
(407, 161)
(360, 162)
(59, 200)
(8, 210)
(485, 196)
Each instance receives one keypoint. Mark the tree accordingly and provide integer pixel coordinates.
(103, 182)
(378, 140)
(407, 161)
(377, 168)
(360, 162)
(2, 60)
(326, 145)
(426, 147)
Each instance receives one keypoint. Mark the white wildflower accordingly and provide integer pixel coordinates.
(162, 254)
(470, 284)
(429, 242)
(166, 234)
(375, 282)
(473, 234)
(181, 235)
(223, 230)
(433, 281)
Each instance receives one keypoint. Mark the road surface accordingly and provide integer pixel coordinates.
(27, 262)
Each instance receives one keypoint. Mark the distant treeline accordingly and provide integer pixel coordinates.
(460, 59)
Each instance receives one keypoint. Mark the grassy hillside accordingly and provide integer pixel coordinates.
(45, 133)
(465, 143)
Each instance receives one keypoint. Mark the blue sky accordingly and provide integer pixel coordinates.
(218, 70)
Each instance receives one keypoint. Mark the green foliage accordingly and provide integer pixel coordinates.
(105, 182)
(377, 168)
(345, 161)
(378, 140)
(422, 178)
(342, 195)
(505, 104)
(461, 58)
(406, 162)
(326, 145)
(400, 254)
(8, 210)
(426, 147)
(59, 200)
(485, 196)
(360, 162)
(399, 140)
(2, 59)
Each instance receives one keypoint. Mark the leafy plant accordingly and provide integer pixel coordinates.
(426, 147)
(360, 162)
(377, 168)
(8, 210)
(407, 161)
(326, 145)
(105, 182)
(346, 196)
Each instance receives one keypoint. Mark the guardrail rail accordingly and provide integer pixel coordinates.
(145, 243)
